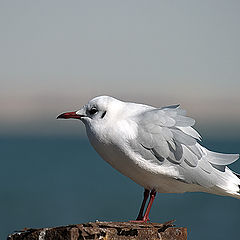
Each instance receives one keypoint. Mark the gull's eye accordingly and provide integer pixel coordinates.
(93, 110)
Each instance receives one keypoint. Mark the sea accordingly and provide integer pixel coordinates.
(60, 180)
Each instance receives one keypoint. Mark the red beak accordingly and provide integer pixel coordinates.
(69, 115)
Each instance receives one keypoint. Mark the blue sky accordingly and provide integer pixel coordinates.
(56, 55)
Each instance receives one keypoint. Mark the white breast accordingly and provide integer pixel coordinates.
(117, 152)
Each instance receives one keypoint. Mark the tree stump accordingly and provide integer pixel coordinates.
(105, 231)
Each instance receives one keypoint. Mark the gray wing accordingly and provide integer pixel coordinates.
(166, 134)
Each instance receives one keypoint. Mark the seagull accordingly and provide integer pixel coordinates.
(157, 148)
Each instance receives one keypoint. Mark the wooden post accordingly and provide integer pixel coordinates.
(105, 231)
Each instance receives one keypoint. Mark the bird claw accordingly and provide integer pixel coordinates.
(142, 220)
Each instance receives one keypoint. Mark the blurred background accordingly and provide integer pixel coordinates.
(56, 55)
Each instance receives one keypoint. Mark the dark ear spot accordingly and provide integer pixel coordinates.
(104, 113)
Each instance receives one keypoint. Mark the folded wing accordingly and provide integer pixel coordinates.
(168, 134)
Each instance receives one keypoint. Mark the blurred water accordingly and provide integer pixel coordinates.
(51, 181)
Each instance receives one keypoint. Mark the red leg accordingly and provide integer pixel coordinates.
(145, 197)
(145, 218)
(152, 197)
(140, 214)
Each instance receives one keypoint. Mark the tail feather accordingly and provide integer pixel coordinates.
(232, 183)
(226, 181)
(221, 158)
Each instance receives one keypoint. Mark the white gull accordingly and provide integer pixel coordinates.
(157, 148)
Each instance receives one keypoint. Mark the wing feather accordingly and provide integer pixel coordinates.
(189, 157)
(176, 156)
(191, 132)
(167, 134)
(182, 121)
(183, 138)
(221, 158)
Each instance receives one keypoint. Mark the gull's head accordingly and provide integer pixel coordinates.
(97, 109)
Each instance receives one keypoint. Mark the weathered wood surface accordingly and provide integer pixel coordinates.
(105, 231)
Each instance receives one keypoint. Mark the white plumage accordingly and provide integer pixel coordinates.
(156, 147)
